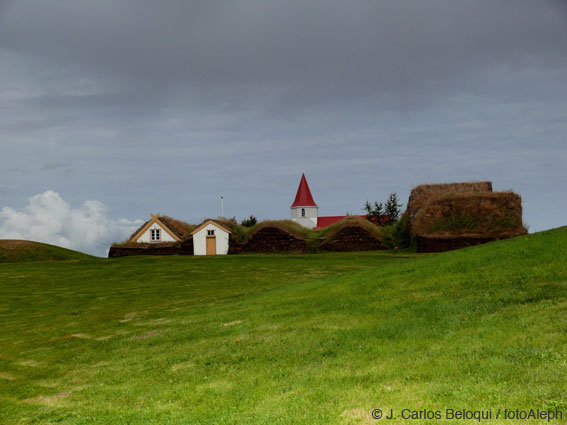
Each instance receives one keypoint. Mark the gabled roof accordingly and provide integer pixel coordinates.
(213, 223)
(303, 197)
(168, 224)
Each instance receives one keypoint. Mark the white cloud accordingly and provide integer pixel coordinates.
(49, 219)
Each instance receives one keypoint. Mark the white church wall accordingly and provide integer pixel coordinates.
(310, 218)
(309, 223)
(310, 212)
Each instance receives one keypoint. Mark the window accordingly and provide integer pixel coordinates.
(302, 212)
(155, 235)
(210, 233)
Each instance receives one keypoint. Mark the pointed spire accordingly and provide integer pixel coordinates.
(303, 197)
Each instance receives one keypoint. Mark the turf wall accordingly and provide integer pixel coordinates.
(274, 239)
(352, 237)
(421, 194)
(442, 244)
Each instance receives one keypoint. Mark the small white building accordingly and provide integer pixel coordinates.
(210, 238)
(156, 230)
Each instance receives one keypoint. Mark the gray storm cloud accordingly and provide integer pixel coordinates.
(165, 106)
(356, 48)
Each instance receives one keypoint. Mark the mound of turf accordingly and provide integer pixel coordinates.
(17, 251)
(287, 339)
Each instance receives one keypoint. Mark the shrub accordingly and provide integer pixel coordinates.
(238, 231)
(249, 222)
(398, 235)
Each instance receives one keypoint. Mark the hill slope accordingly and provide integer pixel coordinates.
(286, 339)
(15, 251)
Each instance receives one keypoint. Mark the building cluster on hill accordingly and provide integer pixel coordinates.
(439, 217)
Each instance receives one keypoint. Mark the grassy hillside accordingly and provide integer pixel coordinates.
(16, 251)
(281, 339)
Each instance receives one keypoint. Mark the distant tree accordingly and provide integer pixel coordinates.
(250, 221)
(382, 214)
(375, 212)
(374, 209)
(392, 208)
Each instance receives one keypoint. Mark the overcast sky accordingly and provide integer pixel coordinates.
(145, 106)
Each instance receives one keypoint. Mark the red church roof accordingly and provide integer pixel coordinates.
(303, 197)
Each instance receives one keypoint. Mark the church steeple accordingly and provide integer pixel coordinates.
(303, 197)
(304, 210)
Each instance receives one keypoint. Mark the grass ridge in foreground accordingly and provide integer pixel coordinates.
(18, 251)
(261, 339)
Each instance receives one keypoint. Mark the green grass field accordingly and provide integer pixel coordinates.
(286, 339)
(16, 251)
